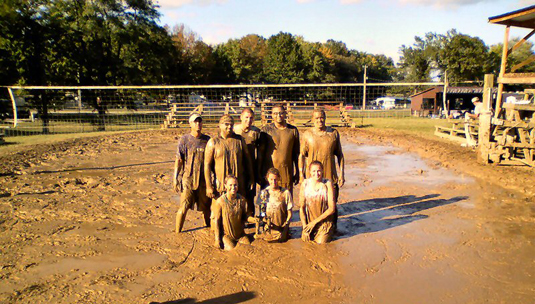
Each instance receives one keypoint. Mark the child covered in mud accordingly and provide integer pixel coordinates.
(317, 206)
(279, 206)
(229, 215)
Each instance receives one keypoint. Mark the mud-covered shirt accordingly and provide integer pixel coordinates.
(281, 150)
(191, 152)
(323, 147)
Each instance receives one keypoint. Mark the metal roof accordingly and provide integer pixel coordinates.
(524, 17)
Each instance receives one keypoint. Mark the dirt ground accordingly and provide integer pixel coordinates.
(92, 221)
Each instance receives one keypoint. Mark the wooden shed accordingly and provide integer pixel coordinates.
(430, 101)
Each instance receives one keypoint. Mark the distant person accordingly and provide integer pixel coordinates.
(279, 204)
(188, 177)
(317, 206)
(229, 215)
(469, 118)
(251, 135)
(279, 148)
(227, 154)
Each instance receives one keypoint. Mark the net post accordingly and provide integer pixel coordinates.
(15, 116)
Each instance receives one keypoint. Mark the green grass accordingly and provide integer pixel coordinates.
(424, 127)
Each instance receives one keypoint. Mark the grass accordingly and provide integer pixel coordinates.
(424, 127)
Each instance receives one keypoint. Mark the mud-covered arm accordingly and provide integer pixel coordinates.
(249, 164)
(341, 162)
(289, 203)
(178, 172)
(302, 157)
(215, 222)
(262, 146)
(208, 164)
(295, 157)
(177, 184)
(249, 218)
(302, 205)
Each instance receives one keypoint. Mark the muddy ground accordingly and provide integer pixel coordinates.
(92, 220)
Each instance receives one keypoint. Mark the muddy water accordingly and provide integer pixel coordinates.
(95, 225)
(416, 233)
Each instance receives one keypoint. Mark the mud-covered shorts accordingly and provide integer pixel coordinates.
(190, 198)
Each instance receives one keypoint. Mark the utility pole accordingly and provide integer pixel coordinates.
(364, 95)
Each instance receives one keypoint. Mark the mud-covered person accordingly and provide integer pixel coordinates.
(470, 118)
(322, 143)
(227, 154)
(279, 149)
(251, 135)
(229, 215)
(188, 178)
(279, 206)
(316, 200)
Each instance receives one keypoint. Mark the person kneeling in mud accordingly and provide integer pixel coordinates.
(317, 206)
(278, 202)
(229, 215)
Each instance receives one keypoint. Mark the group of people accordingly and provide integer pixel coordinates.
(219, 176)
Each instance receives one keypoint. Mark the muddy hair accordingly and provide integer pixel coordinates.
(229, 177)
(278, 105)
(316, 163)
(249, 110)
(273, 171)
(322, 111)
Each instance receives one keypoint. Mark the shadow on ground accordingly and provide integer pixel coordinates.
(379, 214)
(238, 297)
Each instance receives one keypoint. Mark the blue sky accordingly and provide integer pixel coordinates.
(373, 26)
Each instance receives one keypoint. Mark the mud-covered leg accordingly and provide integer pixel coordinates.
(228, 244)
(180, 218)
(206, 215)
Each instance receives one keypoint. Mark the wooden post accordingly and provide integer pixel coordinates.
(445, 109)
(485, 120)
(505, 53)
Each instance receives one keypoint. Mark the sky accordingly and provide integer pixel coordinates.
(372, 26)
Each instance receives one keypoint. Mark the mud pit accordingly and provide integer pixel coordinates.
(91, 221)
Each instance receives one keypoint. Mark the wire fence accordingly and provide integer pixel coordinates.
(51, 110)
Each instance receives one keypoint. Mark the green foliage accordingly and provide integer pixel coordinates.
(284, 61)
(525, 51)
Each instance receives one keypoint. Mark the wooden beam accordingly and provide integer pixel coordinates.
(523, 63)
(509, 79)
(502, 72)
(520, 42)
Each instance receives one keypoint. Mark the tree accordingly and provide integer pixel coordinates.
(525, 51)
(284, 61)
(462, 56)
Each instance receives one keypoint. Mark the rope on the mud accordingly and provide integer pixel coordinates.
(190, 251)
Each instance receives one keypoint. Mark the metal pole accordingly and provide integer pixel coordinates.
(15, 117)
(364, 88)
(79, 100)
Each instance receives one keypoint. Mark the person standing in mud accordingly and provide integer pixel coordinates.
(229, 215)
(279, 148)
(322, 143)
(227, 154)
(316, 200)
(251, 135)
(188, 178)
(279, 206)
